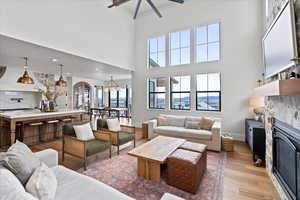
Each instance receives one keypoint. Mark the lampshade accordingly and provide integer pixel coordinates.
(61, 82)
(25, 79)
(257, 101)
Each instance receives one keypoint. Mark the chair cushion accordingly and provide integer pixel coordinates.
(102, 123)
(125, 137)
(96, 146)
(84, 132)
(68, 129)
(113, 124)
(182, 132)
(75, 186)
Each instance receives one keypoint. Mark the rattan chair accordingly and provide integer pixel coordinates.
(83, 149)
(117, 138)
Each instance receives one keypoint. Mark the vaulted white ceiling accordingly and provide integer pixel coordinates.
(40, 59)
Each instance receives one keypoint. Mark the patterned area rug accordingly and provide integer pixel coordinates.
(120, 172)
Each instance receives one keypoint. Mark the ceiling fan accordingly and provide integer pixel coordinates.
(119, 2)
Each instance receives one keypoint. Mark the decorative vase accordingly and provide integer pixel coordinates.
(51, 105)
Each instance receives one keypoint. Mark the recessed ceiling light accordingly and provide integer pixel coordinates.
(97, 69)
(54, 60)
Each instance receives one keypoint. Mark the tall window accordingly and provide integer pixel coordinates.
(157, 93)
(208, 43)
(122, 100)
(209, 92)
(118, 99)
(157, 52)
(113, 99)
(180, 47)
(99, 93)
(180, 92)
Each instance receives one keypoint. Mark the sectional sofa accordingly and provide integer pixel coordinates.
(71, 185)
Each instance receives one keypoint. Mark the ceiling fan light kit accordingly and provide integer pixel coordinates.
(116, 3)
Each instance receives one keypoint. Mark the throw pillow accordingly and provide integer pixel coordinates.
(192, 125)
(42, 184)
(20, 160)
(11, 188)
(206, 124)
(113, 125)
(84, 132)
(162, 121)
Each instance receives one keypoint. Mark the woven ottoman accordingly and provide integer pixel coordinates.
(185, 170)
(196, 147)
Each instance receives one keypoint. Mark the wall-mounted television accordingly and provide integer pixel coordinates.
(280, 42)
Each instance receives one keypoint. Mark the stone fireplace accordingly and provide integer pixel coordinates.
(287, 110)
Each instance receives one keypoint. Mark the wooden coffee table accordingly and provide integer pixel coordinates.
(154, 153)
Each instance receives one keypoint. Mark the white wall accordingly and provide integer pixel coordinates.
(86, 28)
(240, 64)
(9, 83)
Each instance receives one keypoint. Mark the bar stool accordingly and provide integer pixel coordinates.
(32, 137)
(50, 130)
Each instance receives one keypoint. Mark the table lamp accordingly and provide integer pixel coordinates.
(258, 105)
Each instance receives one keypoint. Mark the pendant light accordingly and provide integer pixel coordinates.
(111, 85)
(61, 82)
(25, 79)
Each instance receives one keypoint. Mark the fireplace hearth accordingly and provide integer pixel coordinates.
(286, 158)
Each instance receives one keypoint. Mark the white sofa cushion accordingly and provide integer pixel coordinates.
(183, 132)
(173, 120)
(84, 132)
(42, 184)
(11, 188)
(20, 160)
(75, 186)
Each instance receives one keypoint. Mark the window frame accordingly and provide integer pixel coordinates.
(149, 95)
(196, 44)
(102, 94)
(118, 98)
(157, 51)
(180, 92)
(210, 91)
(169, 47)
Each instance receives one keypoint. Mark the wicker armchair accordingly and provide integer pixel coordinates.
(83, 149)
(117, 138)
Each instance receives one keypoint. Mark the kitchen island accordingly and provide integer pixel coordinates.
(14, 118)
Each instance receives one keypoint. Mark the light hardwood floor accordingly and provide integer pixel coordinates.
(242, 180)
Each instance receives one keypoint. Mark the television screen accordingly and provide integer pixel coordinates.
(279, 43)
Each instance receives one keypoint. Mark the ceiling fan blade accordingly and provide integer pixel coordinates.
(154, 8)
(137, 9)
(119, 2)
(178, 1)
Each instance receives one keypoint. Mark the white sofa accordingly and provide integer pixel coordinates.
(73, 185)
(177, 128)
